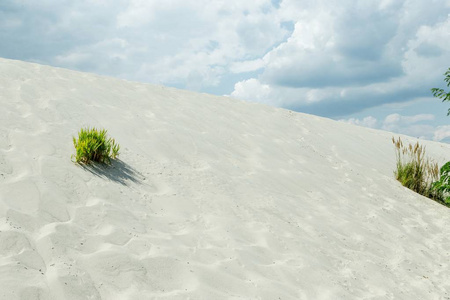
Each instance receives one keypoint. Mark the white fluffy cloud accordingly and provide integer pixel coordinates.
(253, 89)
(345, 57)
(395, 119)
(369, 121)
(337, 45)
(410, 125)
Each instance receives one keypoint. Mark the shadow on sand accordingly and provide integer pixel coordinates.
(118, 171)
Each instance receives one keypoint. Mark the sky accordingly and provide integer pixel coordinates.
(369, 63)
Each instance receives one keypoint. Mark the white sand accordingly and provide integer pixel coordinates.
(212, 198)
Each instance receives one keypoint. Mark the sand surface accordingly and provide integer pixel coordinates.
(212, 198)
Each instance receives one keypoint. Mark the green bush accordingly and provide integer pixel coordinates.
(415, 171)
(94, 145)
(443, 184)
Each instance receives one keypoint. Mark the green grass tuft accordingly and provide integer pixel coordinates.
(415, 171)
(93, 145)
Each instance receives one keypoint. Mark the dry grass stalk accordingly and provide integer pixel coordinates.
(414, 170)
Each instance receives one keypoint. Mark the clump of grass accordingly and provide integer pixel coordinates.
(93, 145)
(415, 171)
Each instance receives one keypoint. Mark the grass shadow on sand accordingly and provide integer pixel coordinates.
(119, 171)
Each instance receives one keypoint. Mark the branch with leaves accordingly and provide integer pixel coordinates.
(440, 93)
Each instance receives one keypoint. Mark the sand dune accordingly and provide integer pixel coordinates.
(212, 198)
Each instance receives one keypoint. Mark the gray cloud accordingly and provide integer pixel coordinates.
(317, 69)
(353, 56)
(354, 43)
(428, 50)
(363, 31)
(355, 101)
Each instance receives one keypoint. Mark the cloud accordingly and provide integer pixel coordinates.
(369, 121)
(441, 133)
(350, 56)
(333, 46)
(426, 49)
(190, 44)
(410, 125)
(247, 66)
(397, 118)
(420, 125)
(332, 101)
(253, 89)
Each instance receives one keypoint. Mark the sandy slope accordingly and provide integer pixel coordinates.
(212, 198)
